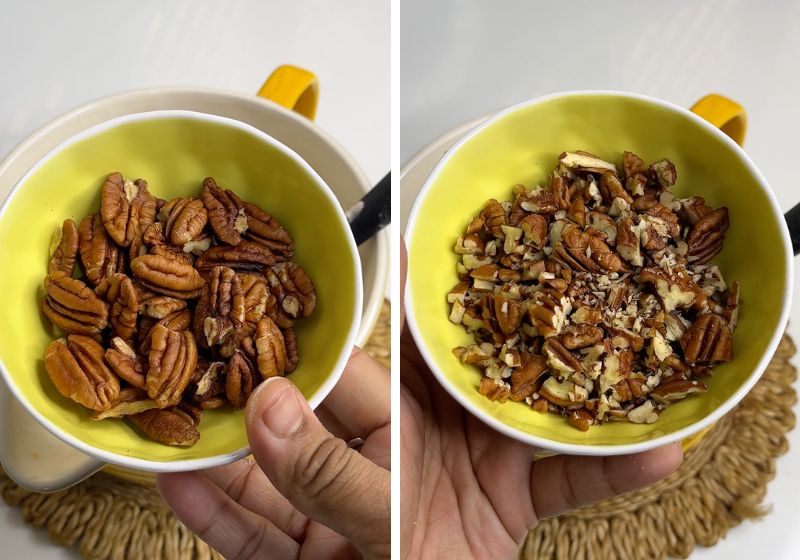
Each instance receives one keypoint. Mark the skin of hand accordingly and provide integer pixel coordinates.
(471, 492)
(307, 495)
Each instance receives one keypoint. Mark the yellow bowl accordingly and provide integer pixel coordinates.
(521, 145)
(174, 151)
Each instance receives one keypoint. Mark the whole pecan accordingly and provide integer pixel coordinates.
(65, 253)
(170, 426)
(99, 254)
(290, 343)
(130, 401)
(270, 349)
(171, 276)
(183, 219)
(240, 380)
(225, 212)
(265, 229)
(706, 236)
(127, 208)
(172, 361)
(707, 340)
(125, 363)
(76, 367)
(247, 255)
(117, 290)
(72, 306)
(293, 289)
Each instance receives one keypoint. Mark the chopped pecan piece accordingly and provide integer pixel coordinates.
(527, 379)
(127, 208)
(559, 358)
(170, 276)
(494, 217)
(99, 255)
(580, 419)
(170, 426)
(270, 349)
(172, 360)
(584, 161)
(663, 173)
(76, 367)
(130, 401)
(225, 212)
(65, 252)
(123, 306)
(581, 336)
(676, 390)
(211, 383)
(494, 389)
(549, 312)
(72, 306)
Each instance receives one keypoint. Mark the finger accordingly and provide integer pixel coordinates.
(361, 401)
(323, 542)
(566, 482)
(317, 472)
(247, 485)
(225, 525)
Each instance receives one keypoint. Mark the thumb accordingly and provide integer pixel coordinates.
(317, 472)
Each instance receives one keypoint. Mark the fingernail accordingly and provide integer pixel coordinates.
(283, 414)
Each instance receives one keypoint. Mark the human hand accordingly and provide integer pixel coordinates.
(307, 495)
(471, 492)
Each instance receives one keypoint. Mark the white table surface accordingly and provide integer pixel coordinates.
(461, 59)
(56, 55)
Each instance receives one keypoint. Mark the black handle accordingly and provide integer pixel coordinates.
(793, 221)
(373, 212)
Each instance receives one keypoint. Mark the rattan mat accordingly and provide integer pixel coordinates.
(722, 482)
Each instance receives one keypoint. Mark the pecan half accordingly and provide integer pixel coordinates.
(582, 252)
(127, 208)
(257, 298)
(211, 383)
(170, 426)
(290, 342)
(706, 237)
(675, 288)
(240, 381)
(220, 309)
(170, 276)
(99, 255)
(118, 291)
(707, 340)
(494, 217)
(130, 401)
(677, 389)
(172, 361)
(293, 289)
(72, 306)
(225, 212)
(65, 253)
(507, 312)
(559, 358)
(125, 363)
(270, 349)
(183, 219)
(159, 307)
(247, 255)
(178, 321)
(263, 228)
(76, 367)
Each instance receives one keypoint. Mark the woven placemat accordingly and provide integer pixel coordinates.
(110, 518)
(722, 482)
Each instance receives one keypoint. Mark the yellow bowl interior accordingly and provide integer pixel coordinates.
(174, 154)
(522, 147)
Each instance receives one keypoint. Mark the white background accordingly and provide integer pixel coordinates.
(461, 59)
(56, 55)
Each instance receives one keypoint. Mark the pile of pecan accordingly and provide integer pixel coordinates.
(178, 306)
(594, 297)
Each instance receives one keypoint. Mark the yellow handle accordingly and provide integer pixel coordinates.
(725, 114)
(293, 88)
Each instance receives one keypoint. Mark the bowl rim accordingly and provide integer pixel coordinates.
(372, 307)
(324, 389)
(605, 449)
